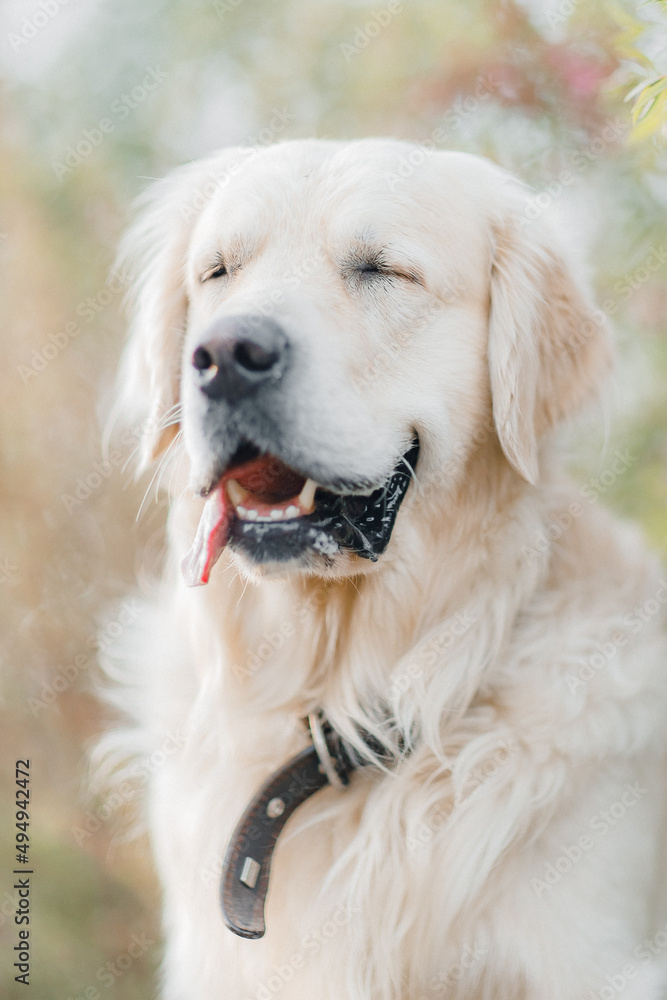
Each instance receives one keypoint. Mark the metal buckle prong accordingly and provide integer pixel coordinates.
(322, 747)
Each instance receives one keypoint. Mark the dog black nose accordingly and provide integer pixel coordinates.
(238, 356)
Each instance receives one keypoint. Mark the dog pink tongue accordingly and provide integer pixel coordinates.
(210, 539)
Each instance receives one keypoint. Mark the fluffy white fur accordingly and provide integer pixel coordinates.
(503, 630)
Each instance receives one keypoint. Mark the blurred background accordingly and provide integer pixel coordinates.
(99, 96)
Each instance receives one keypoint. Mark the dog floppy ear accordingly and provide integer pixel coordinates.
(548, 347)
(153, 255)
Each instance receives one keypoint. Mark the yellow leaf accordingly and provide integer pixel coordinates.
(652, 120)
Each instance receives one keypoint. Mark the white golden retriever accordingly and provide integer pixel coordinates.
(351, 359)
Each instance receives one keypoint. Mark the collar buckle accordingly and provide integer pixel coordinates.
(334, 762)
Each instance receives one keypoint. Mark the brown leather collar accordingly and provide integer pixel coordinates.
(247, 864)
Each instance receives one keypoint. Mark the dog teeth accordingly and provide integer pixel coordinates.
(307, 496)
(248, 514)
(240, 498)
(236, 492)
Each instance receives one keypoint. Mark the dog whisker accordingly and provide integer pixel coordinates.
(246, 582)
(131, 457)
(156, 478)
(412, 473)
(177, 461)
(170, 417)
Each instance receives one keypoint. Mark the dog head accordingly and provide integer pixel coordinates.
(319, 321)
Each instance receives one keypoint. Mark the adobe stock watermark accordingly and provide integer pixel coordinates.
(121, 107)
(101, 641)
(599, 826)
(388, 357)
(441, 984)
(311, 944)
(86, 485)
(224, 7)
(563, 12)
(33, 24)
(607, 649)
(579, 161)
(488, 768)
(463, 108)
(8, 907)
(290, 280)
(485, 771)
(217, 180)
(270, 642)
(625, 286)
(365, 34)
(591, 491)
(8, 571)
(629, 283)
(429, 652)
(126, 791)
(646, 953)
(109, 973)
(87, 310)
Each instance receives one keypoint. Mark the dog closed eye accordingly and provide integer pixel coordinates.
(216, 270)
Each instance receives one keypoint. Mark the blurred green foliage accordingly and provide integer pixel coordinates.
(99, 97)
